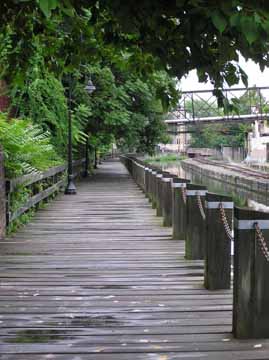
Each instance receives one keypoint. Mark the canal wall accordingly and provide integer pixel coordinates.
(230, 177)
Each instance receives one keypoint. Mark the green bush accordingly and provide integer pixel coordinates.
(164, 159)
(27, 148)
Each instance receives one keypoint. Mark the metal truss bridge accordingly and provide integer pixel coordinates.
(198, 107)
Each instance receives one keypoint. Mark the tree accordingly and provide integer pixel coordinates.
(163, 31)
(252, 101)
(45, 39)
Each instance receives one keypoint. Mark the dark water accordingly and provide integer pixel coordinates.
(241, 197)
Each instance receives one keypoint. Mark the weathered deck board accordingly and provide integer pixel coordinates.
(95, 276)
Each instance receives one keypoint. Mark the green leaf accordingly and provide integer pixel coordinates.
(219, 21)
(235, 19)
(249, 29)
(47, 6)
(244, 76)
(265, 26)
(44, 6)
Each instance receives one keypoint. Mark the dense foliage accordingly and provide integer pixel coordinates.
(52, 53)
(48, 47)
(163, 29)
(27, 148)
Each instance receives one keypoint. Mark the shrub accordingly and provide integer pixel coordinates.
(27, 148)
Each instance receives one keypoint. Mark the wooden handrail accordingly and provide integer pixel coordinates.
(29, 180)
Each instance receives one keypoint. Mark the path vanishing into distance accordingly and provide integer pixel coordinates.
(95, 276)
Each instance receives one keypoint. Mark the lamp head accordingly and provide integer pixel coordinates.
(90, 88)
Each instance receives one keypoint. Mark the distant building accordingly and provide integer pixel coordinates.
(179, 136)
(258, 142)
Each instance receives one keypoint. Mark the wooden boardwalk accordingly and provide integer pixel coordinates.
(95, 277)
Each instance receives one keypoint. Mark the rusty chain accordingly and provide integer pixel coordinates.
(184, 195)
(225, 222)
(262, 243)
(200, 206)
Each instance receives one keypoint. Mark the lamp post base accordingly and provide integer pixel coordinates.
(70, 188)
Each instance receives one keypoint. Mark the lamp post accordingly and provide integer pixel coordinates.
(90, 88)
(71, 188)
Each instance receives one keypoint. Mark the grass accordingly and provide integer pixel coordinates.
(164, 158)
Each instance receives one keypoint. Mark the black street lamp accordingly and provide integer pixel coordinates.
(90, 88)
(71, 188)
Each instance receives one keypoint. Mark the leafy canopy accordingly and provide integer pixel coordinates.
(181, 34)
(129, 48)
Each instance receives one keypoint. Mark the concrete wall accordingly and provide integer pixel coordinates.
(204, 152)
(2, 197)
(236, 154)
(231, 177)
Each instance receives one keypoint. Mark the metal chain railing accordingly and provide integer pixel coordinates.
(225, 223)
(184, 194)
(261, 241)
(200, 206)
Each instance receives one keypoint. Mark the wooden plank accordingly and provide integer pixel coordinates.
(95, 276)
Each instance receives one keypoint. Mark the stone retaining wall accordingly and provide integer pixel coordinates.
(226, 176)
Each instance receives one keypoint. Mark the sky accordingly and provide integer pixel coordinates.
(255, 77)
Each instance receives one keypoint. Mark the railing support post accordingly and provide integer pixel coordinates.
(147, 170)
(251, 274)
(2, 197)
(154, 188)
(218, 242)
(196, 225)
(178, 208)
(167, 199)
(159, 177)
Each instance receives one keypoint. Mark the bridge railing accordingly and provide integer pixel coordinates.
(212, 226)
(228, 104)
(37, 187)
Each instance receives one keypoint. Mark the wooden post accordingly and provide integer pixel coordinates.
(147, 170)
(150, 184)
(218, 241)
(155, 172)
(159, 177)
(196, 224)
(178, 208)
(159, 192)
(142, 176)
(251, 274)
(167, 199)
(2, 197)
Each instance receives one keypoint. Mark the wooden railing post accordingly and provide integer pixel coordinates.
(150, 183)
(154, 187)
(178, 208)
(196, 224)
(159, 177)
(2, 197)
(219, 215)
(147, 170)
(141, 171)
(251, 274)
(167, 199)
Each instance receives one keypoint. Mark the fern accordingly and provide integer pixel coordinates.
(27, 147)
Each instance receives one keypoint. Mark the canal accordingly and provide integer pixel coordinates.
(241, 196)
